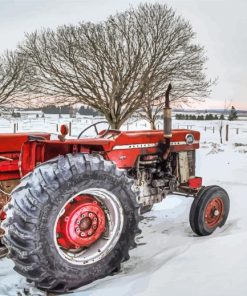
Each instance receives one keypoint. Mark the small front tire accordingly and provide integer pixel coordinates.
(209, 210)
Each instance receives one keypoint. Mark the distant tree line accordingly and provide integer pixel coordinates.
(88, 111)
(83, 110)
(199, 117)
(233, 115)
(52, 109)
(16, 114)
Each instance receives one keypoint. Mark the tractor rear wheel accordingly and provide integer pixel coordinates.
(71, 221)
(209, 210)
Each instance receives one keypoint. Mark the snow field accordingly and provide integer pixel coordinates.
(170, 259)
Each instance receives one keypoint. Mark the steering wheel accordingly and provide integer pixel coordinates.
(100, 135)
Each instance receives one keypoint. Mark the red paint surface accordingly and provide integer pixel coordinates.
(71, 232)
(10, 147)
(32, 153)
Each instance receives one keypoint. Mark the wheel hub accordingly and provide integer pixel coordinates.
(82, 223)
(85, 224)
(214, 212)
(88, 226)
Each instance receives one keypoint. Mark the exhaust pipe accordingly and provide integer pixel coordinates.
(168, 115)
(164, 146)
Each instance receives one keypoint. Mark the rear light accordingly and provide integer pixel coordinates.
(3, 216)
(195, 182)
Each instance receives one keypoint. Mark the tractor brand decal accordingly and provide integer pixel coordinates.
(122, 157)
(183, 143)
(152, 145)
(134, 146)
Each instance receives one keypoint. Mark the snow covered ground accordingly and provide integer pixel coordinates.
(170, 260)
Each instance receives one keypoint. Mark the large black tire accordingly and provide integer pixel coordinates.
(198, 212)
(33, 209)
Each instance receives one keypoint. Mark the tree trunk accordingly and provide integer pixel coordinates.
(115, 125)
(152, 124)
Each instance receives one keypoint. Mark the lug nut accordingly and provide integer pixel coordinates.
(82, 233)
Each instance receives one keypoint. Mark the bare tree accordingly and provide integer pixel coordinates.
(114, 66)
(13, 87)
(185, 93)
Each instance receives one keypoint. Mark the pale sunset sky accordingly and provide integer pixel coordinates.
(220, 26)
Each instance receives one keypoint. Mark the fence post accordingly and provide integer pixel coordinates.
(205, 128)
(227, 132)
(15, 128)
(57, 127)
(237, 131)
(213, 129)
(70, 128)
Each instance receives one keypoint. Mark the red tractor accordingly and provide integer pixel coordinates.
(72, 207)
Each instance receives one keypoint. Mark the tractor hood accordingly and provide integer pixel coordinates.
(22, 152)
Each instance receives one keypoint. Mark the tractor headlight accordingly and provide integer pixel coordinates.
(189, 139)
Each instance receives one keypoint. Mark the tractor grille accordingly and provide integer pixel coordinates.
(192, 162)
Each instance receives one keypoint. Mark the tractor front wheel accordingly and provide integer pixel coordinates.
(71, 221)
(209, 210)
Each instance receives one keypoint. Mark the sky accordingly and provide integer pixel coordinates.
(220, 25)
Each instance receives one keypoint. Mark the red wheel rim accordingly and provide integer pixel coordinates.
(214, 212)
(82, 223)
(88, 226)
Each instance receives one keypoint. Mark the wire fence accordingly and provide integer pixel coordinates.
(236, 129)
